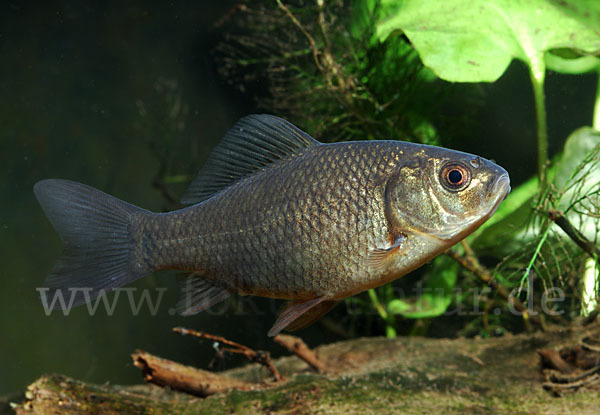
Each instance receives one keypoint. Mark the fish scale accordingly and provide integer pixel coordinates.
(316, 251)
(275, 213)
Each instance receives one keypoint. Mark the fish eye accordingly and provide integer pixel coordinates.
(455, 176)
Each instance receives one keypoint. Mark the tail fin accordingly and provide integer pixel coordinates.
(97, 244)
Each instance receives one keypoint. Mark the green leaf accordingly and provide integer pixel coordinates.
(435, 297)
(397, 306)
(363, 15)
(577, 147)
(509, 234)
(578, 174)
(573, 65)
(475, 40)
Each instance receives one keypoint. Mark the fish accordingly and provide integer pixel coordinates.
(276, 213)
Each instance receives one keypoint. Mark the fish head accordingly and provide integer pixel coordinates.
(444, 194)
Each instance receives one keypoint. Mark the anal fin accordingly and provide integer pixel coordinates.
(300, 313)
(199, 293)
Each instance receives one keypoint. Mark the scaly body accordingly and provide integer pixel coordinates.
(280, 215)
(298, 229)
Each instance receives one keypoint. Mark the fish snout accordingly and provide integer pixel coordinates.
(502, 186)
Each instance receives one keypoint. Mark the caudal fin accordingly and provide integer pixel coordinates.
(97, 246)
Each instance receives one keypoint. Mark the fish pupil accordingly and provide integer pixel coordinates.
(455, 176)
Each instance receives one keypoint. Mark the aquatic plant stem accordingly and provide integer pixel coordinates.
(537, 72)
(470, 262)
(311, 40)
(390, 331)
(591, 275)
(596, 122)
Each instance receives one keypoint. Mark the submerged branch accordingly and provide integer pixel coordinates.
(163, 372)
(552, 358)
(257, 356)
(572, 367)
(561, 220)
(297, 346)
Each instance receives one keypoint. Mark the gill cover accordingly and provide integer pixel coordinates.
(443, 194)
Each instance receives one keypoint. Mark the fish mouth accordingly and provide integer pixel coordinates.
(501, 186)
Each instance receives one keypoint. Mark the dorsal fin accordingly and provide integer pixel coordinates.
(252, 143)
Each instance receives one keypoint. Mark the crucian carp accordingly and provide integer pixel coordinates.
(275, 213)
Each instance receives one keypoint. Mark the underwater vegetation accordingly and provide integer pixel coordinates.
(341, 70)
(372, 69)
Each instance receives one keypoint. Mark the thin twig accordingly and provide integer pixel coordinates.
(311, 40)
(470, 262)
(297, 346)
(257, 356)
(562, 378)
(561, 387)
(239, 6)
(326, 63)
(561, 220)
(591, 344)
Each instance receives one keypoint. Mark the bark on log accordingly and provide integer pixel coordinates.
(163, 372)
(364, 376)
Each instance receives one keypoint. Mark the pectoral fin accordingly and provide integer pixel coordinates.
(300, 313)
(379, 256)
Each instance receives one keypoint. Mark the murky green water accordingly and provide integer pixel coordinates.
(100, 94)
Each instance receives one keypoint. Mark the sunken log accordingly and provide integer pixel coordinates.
(501, 375)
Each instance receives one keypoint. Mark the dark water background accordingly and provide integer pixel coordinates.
(99, 93)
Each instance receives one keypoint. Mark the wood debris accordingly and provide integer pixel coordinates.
(297, 346)
(257, 356)
(184, 378)
(572, 368)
